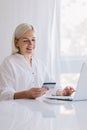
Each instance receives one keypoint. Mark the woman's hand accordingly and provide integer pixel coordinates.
(35, 92)
(67, 91)
(31, 93)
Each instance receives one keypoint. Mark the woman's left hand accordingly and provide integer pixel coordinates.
(67, 91)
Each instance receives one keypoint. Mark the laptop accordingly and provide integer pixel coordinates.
(81, 89)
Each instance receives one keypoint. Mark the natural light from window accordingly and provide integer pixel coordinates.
(73, 38)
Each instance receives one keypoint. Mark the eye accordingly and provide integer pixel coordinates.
(25, 40)
(33, 40)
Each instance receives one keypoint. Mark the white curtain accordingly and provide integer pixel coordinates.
(61, 33)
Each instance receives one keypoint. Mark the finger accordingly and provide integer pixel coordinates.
(72, 89)
(38, 95)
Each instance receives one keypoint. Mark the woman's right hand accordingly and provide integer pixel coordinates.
(35, 92)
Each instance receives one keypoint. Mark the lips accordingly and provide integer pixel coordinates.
(29, 50)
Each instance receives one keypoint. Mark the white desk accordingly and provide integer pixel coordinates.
(39, 115)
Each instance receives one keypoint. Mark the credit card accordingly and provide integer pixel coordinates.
(49, 84)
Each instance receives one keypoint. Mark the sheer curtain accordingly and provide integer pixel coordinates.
(61, 33)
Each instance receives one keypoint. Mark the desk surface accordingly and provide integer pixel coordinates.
(42, 115)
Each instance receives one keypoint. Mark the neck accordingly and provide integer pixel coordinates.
(29, 59)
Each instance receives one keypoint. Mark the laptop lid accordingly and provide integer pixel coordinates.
(81, 89)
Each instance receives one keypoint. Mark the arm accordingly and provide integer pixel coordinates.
(30, 94)
(6, 82)
(20, 95)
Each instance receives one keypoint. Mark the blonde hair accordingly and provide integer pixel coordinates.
(19, 31)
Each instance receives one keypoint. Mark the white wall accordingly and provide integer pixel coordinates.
(6, 28)
(14, 12)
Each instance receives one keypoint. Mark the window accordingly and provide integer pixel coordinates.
(73, 38)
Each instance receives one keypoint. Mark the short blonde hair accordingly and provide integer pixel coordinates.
(19, 31)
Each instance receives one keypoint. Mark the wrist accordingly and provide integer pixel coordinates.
(20, 95)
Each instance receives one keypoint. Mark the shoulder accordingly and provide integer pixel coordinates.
(13, 58)
(10, 63)
(9, 60)
(6, 60)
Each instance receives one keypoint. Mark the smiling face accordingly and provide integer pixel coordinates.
(26, 43)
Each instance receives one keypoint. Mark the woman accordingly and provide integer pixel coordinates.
(22, 74)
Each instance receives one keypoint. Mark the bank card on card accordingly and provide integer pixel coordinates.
(49, 85)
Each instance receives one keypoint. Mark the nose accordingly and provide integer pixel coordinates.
(30, 42)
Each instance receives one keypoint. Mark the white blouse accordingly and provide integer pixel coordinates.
(17, 75)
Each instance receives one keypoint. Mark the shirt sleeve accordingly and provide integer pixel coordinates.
(6, 94)
(6, 82)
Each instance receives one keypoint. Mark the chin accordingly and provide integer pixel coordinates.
(29, 53)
